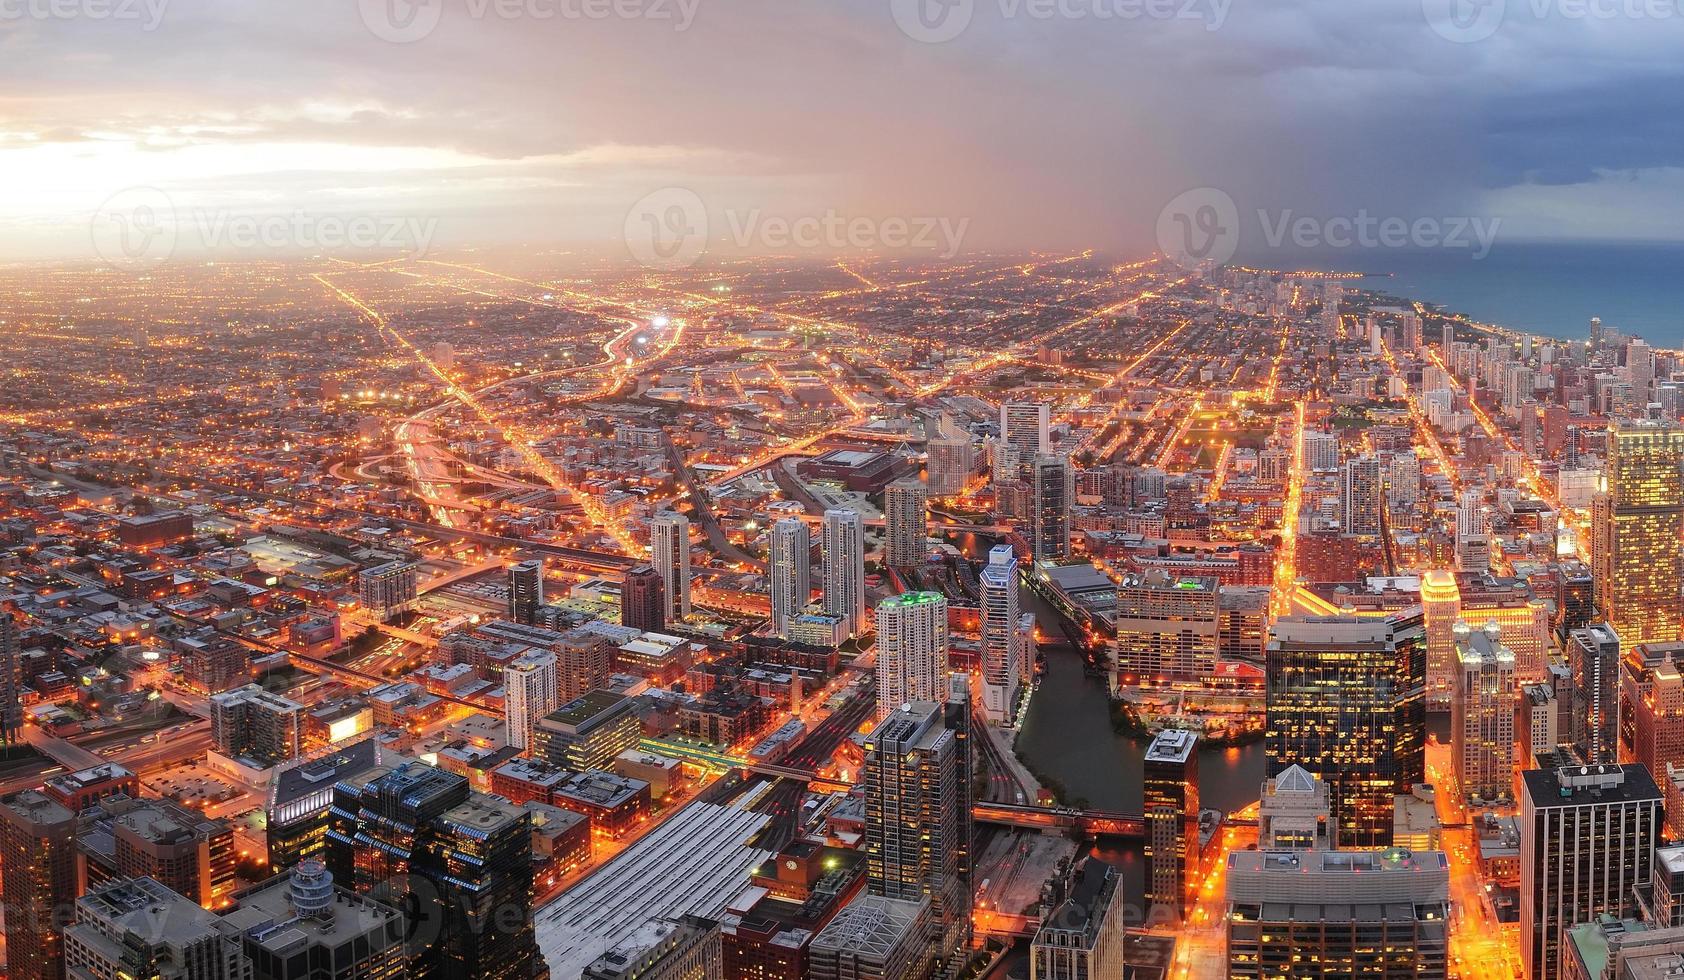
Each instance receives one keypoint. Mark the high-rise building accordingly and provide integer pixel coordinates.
(1593, 656)
(461, 862)
(917, 817)
(388, 589)
(11, 680)
(1383, 915)
(526, 591)
(788, 566)
(137, 929)
(1441, 602)
(998, 587)
(1171, 794)
(950, 461)
(843, 539)
(1026, 427)
(1169, 627)
(1482, 715)
(1636, 524)
(1361, 495)
(1587, 840)
(529, 693)
(292, 923)
(1346, 701)
(1652, 706)
(1403, 481)
(1321, 450)
(1473, 533)
(911, 650)
(249, 722)
(1052, 483)
(1083, 938)
(906, 523)
(1293, 812)
(186, 851)
(669, 545)
(37, 881)
(643, 599)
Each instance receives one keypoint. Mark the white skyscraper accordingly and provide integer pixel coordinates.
(905, 512)
(1025, 425)
(1361, 495)
(911, 650)
(669, 545)
(788, 569)
(1000, 641)
(949, 459)
(843, 539)
(529, 693)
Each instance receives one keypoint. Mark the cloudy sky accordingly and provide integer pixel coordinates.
(1041, 123)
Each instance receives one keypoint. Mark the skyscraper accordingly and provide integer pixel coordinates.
(1482, 715)
(459, 862)
(906, 517)
(1637, 522)
(1346, 701)
(669, 544)
(916, 805)
(1168, 627)
(1587, 839)
(643, 599)
(843, 540)
(11, 707)
(526, 591)
(529, 693)
(387, 589)
(1361, 495)
(998, 586)
(38, 881)
(1171, 794)
(788, 567)
(949, 458)
(1050, 535)
(1593, 656)
(1026, 427)
(259, 725)
(911, 650)
(1441, 602)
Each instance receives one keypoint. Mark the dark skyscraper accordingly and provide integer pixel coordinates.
(1346, 701)
(458, 863)
(643, 603)
(1593, 655)
(526, 591)
(1171, 788)
(38, 882)
(11, 709)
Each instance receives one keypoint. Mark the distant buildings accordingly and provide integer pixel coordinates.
(1171, 793)
(1346, 702)
(1637, 523)
(788, 568)
(669, 546)
(1025, 427)
(843, 542)
(526, 591)
(1587, 839)
(912, 642)
(155, 530)
(906, 523)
